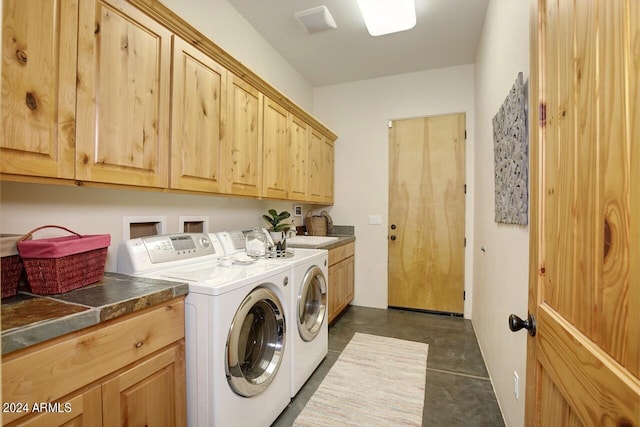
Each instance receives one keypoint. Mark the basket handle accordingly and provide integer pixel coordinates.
(28, 235)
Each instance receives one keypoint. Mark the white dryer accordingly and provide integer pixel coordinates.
(308, 322)
(237, 357)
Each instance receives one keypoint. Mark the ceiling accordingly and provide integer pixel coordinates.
(446, 34)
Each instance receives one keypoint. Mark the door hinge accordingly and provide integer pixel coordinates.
(465, 134)
(464, 295)
(465, 189)
(465, 242)
(390, 124)
(542, 114)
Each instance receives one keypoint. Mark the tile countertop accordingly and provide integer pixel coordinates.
(28, 319)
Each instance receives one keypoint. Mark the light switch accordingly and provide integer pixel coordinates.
(375, 219)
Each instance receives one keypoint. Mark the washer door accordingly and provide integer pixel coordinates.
(255, 345)
(312, 303)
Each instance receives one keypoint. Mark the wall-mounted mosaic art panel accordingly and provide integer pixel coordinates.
(511, 153)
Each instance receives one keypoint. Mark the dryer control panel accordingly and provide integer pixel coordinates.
(171, 247)
(145, 254)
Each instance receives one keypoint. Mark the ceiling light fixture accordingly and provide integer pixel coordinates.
(316, 19)
(388, 16)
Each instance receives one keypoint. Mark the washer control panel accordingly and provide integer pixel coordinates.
(234, 241)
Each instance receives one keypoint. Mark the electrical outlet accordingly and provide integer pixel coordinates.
(516, 385)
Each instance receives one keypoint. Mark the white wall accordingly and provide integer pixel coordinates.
(359, 113)
(500, 273)
(221, 23)
(98, 210)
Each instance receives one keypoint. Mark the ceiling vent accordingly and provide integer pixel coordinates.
(316, 19)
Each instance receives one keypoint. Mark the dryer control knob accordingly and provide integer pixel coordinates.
(204, 242)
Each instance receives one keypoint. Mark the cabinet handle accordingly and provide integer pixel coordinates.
(139, 344)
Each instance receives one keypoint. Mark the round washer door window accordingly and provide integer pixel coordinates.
(312, 303)
(255, 345)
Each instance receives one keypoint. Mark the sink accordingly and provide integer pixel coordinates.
(310, 240)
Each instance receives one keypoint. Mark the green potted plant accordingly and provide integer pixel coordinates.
(278, 228)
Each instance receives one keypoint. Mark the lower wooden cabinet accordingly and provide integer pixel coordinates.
(341, 278)
(85, 409)
(129, 371)
(149, 394)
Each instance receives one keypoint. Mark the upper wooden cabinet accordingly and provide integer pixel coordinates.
(275, 154)
(321, 168)
(298, 159)
(124, 68)
(329, 172)
(198, 106)
(243, 138)
(125, 92)
(39, 44)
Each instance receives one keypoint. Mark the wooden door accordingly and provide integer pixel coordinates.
(243, 139)
(275, 154)
(198, 109)
(124, 66)
(39, 44)
(426, 213)
(583, 364)
(299, 159)
(152, 393)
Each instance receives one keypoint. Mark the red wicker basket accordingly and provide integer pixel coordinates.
(61, 264)
(12, 267)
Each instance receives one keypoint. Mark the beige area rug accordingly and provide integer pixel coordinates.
(376, 381)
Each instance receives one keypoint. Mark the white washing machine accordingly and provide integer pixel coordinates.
(308, 323)
(237, 357)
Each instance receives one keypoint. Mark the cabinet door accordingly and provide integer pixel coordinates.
(198, 105)
(243, 139)
(336, 290)
(327, 178)
(123, 95)
(38, 107)
(82, 410)
(299, 159)
(275, 155)
(150, 394)
(349, 279)
(316, 166)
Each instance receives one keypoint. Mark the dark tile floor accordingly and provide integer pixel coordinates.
(458, 390)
